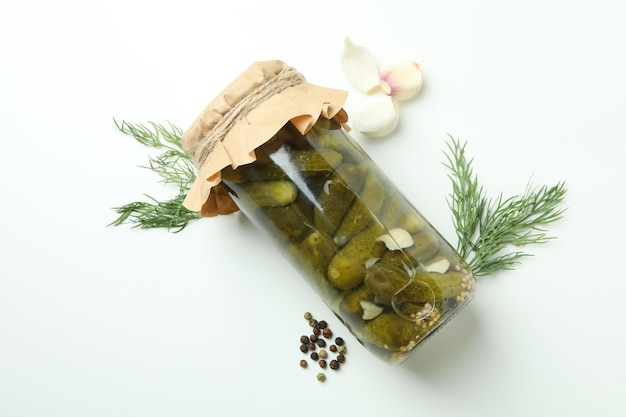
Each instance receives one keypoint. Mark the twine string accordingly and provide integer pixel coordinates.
(288, 77)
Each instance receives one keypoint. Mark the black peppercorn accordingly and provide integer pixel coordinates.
(304, 348)
(308, 316)
(303, 363)
(322, 324)
(327, 333)
(332, 348)
(304, 340)
(312, 322)
(339, 341)
(316, 330)
(313, 338)
(321, 343)
(341, 358)
(315, 356)
(322, 363)
(310, 346)
(334, 364)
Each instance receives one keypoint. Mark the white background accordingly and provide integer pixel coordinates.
(113, 321)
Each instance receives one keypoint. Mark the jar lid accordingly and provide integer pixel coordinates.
(244, 116)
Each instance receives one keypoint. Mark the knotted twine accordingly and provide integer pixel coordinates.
(287, 77)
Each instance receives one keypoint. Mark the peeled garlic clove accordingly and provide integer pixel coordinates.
(378, 117)
(370, 310)
(359, 67)
(401, 80)
(397, 239)
(440, 266)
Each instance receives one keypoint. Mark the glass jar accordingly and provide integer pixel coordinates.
(382, 268)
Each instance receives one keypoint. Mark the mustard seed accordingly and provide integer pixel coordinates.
(308, 316)
(323, 354)
(304, 363)
(321, 377)
(322, 363)
(342, 349)
(312, 322)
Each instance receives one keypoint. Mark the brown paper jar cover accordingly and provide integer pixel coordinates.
(301, 104)
(283, 156)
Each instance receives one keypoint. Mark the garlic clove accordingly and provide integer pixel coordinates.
(378, 117)
(370, 262)
(440, 266)
(401, 80)
(397, 239)
(370, 310)
(359, 67)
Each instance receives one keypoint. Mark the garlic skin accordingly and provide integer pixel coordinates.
(378, 117)
(359, 67)
(397, 239)
(401, 80)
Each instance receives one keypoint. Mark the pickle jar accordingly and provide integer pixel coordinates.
(277, 148)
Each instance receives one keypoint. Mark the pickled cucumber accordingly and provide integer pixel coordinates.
(391, 211)
(335, 198)
(308, 160)
(399, 259)
(390, 331)
(314, 254)
(351, 301)
(283, 163)
(361, 213)
(294, 220)
(270, 193)
(347, 268)
(236, 176)
(385, 280)
(413, 223)
(437, 288)
(425, 247)
(290, 220)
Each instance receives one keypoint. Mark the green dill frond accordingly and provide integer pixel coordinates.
(170, 214)
(487, 228)
(174, 167)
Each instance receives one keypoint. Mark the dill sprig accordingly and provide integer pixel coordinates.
(487, 228)
(174, 166)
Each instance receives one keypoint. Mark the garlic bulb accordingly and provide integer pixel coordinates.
(397, 82)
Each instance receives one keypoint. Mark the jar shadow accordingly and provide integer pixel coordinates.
(448, 347)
